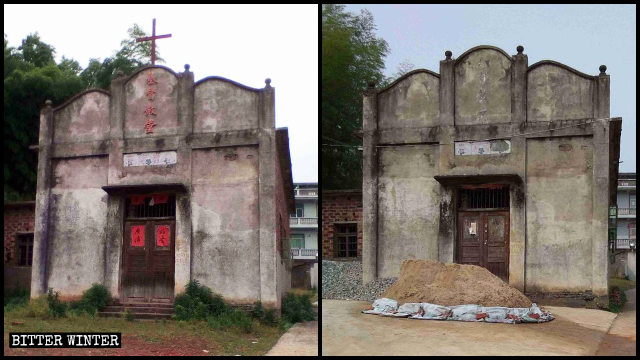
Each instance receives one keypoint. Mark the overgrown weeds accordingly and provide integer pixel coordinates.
(617, 299)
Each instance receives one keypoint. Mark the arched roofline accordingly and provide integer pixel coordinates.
(220, 78)
(132, 75)
(79, 95)
(482, 47)
(566, 67)
(410, 73)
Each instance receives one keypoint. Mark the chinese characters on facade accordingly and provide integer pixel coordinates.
(150, 110)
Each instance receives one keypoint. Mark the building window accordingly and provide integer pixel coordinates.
(25, 249)
(297, 241)
(346, 240)
(632, 230)
(632, 202)
(299, 210)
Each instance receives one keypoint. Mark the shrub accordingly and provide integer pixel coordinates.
(198, 302)
(258, 311)
(233, 318)
(617, 299)
(270, 317)
(96, 297)
(37, 308)
(56, 307)
(296, 308)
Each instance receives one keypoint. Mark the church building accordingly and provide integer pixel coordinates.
(493, 162)
(159, 181)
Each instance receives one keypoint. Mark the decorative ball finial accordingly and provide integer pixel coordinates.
(448, 54)
(520, 49)
(372, 84)
(48, 102)
(603, 68)
(186, 67)
(267, 81)
(119, 74)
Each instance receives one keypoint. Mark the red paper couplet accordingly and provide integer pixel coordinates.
(162, 235)
(137, 236)
(160, 198)
(137, 200)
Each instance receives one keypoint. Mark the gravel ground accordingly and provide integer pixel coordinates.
(342, 280)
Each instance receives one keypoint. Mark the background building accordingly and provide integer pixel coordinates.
(18, 244)
(342, 225)
(304, 235)
(626, 224)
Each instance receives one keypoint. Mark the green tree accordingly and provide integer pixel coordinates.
(132, 56)
(352, 57)
(32, 76)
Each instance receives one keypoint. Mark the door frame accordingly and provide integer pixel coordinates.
(125, 221)
(485, 212)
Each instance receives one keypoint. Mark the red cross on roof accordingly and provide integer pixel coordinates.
(153, 38)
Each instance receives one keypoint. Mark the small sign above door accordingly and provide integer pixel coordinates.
(151, 158)
(482, 147)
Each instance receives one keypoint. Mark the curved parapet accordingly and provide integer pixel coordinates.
(151, 92)
(483, 86)
(411, 101)
(558, 92)
(84, 117)
(221, 105)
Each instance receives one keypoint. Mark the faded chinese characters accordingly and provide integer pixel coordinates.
(150, 110)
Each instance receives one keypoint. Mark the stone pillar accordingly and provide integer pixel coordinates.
(600, 261)
(113, 244)
(519, 87)
(116, 131)
(446, 161)
(183, 265)
(370, 185)
(266, 196)
(43, 197)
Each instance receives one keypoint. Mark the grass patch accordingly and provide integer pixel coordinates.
(623, 284)
(16, 297)
(222, 342)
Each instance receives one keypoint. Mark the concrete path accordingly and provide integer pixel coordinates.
(345, 331)
(621, 338)
(300, 340)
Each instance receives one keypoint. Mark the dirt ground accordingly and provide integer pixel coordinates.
(300, 340)
(345, 331)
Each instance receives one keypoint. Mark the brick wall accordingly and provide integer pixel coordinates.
(340, 206)
(18, 218)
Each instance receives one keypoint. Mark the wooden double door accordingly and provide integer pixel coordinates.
(483, 240)
(148, 266)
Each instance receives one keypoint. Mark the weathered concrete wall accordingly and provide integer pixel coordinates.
(630, 269)
(559, 201)
(84, 118)
(225, 222)
(221, 105)
(483, 88)
(77, 224)
(283, 235)
(409, 206)
(556, 93)
(412, 102)
(165, 103)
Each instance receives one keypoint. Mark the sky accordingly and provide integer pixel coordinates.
(244, 43)
(580, 36)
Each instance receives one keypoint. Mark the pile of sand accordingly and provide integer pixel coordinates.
(452, 284)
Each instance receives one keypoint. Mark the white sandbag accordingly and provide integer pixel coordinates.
(432, 312)
(496, 314)
(465, 312)
(409, 308)
(383, 305)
